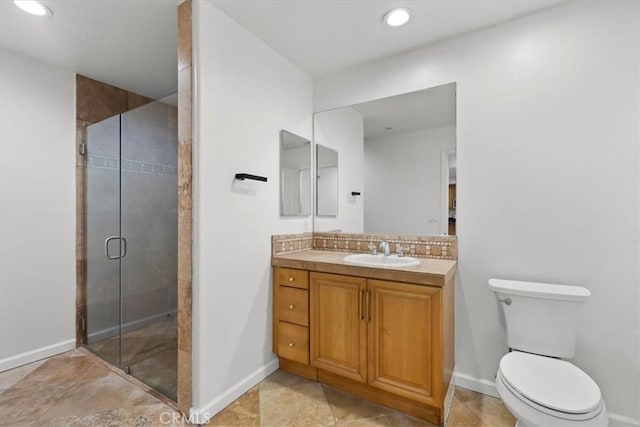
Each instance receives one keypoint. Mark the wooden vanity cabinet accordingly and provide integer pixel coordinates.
(339, 328)
(291, 314)
(403, 339)
(376, 332)
(390, 342)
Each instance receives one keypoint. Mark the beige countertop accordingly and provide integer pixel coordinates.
(431, 272)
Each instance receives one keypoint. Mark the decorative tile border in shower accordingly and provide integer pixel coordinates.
(438, 247)
(109, 162)
(286, 243)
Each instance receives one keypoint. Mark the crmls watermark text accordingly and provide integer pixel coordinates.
(168, 418)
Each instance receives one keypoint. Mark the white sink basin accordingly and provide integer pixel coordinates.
(381, 260)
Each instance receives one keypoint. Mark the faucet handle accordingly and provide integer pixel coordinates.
(372, 249)
(400, 250)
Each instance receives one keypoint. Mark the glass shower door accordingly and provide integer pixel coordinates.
(132, 243)
(104, 247)
(150, 226)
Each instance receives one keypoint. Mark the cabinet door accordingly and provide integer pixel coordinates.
(338, 326)
(404, 340)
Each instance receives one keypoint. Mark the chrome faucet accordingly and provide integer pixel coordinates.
(372, 249)
(400, 250)
(384, 245)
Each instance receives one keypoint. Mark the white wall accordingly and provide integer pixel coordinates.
(37, 210)
(402, 181)
(343, 130)
(548, 176)
(245, 94)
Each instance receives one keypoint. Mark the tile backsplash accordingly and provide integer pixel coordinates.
(439, 247)
(286, 243)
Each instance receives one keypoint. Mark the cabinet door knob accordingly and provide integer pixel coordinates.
(292, 306)
(291, 344)
(291, 279)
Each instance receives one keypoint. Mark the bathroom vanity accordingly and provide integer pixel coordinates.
(384, 334)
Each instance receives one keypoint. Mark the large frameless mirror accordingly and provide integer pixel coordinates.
(397, 165)
(295, 175)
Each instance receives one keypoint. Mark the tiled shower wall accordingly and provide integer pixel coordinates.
(185, 180)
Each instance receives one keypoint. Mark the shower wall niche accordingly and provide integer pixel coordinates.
(131, 243)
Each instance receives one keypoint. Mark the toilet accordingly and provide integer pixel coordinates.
(536, 382)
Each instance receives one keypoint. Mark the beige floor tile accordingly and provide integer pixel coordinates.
(64, 370)
(491, 411)
(12, 376)
(280, 379)
(391, 420)
(346, 407)
(303, 405)
(26, 404)
(244, 412)
(75, 390)
(461, 416)
(92, 396)
(141, 416)
(157, 414)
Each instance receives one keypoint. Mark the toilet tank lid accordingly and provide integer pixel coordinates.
(540, 290)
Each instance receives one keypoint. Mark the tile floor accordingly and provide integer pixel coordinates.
(75, 389)
(151, 353)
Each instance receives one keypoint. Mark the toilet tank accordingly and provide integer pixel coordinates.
(542, 318)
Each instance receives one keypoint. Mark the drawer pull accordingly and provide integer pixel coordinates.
(292, 306)
(291, 344)
(291, 279)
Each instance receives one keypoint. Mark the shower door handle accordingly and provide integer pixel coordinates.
(123, 247)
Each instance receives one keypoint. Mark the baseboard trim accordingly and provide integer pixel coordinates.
(489, 388)
(37, 354)
(616, 420)
(476, 384)
(203, 414)
(113, 331)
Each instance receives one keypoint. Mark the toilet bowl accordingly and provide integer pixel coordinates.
(546, 392)
(535, 381)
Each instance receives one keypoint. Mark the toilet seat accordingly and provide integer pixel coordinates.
(553, 386)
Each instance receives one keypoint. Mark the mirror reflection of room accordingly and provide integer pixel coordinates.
(399, 153)
(295, 171)
(326, 181)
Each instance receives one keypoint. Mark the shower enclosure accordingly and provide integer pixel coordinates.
(131, 243)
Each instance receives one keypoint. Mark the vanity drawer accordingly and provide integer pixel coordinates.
(293, 278)
(293, 342)
(293, 305)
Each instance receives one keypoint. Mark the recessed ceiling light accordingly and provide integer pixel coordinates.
(33, 7)
(396, 17)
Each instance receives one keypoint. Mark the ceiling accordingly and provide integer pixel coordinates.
(129, 44)
(429, 108)
(322, 36)
(132, 43)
